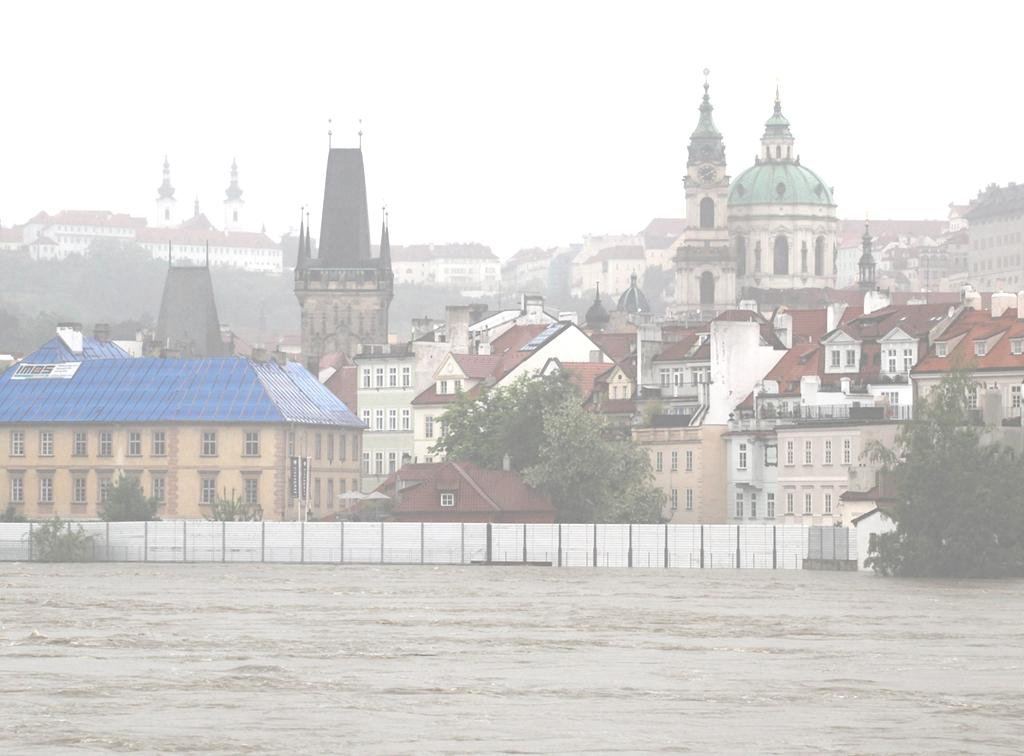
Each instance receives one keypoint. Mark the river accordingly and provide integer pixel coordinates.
(266, 658)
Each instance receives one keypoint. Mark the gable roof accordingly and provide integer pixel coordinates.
(55, 351)
(976, 325)
(478, 490)
(678, 350)
(150, 389)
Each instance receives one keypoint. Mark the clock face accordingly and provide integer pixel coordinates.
(707, 174)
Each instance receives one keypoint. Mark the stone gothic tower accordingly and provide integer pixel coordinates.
(344, 292)
(233, 201)
(705, 266)
(165, 215)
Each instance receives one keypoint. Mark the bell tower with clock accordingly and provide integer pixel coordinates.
(705, 269)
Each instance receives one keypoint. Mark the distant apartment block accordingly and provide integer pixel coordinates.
(467, 267)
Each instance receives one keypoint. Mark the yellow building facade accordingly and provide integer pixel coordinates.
(688, 464)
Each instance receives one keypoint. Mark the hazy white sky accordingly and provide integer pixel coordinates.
(513, 124)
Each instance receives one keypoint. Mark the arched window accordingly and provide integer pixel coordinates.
(803, 257)
(778, 151)
(741, 256)
(819, 256)
(707, 213)
(781, 265)
(707, 288)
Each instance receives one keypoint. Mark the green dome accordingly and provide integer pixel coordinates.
(779, 183)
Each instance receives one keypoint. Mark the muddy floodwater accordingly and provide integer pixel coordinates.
(307, 659)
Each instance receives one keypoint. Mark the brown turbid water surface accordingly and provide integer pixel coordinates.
(213, 658)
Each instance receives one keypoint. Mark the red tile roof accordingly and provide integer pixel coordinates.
(808, 325)
(679, 350)
(424, 252)
(497, 495)
(975, 325)
(584, 375)
(915, 320)
(802, 360)
(477, 366)
(199, 235)
(618, 346)
(96, 218)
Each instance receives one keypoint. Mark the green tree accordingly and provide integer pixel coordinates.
(589, 476)
(233, 509)
(11, 514)
(127, 503)
(561, 449)
(503, 421)
(59, 541)
(959, 510)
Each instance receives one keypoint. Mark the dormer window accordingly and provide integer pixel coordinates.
(1017, 347)
(448, 499)
(443, 388)
(458, 386)
(851, 358)
(940, 348)
(979, 348)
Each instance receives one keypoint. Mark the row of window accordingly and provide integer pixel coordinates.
(334, 448)
(390, 419)
(659, 461)
(391, 377)
(742, 502)
(827, 452)
(382, 463)
(133, 445)
(325, 492)
(677, 377)
(674, 499)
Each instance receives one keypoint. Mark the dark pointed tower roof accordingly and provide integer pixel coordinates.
(188, 313)
(165, 190)
(597, 316)
(706, 143)
(384, 261)
(234, 192)
(302, 260)
(345, 225)
(633, 300)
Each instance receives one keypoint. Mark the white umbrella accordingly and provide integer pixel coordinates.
(376, 495)
(351, 495)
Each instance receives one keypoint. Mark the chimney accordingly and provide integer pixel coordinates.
(1020, 305)
(506, 463)
(1001, 302)
(748, 304)
(280, 357)
(458, 328)
(71, 335)
(875, 300)
(533, 308)
(170, 353)
(833, 314)
(568, 316)
(101, 332)
(259, 354)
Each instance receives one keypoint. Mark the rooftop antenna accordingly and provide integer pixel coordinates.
(329, 132)
(360, 133)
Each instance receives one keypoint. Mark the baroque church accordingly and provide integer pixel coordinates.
(344, 291)
(772, 227)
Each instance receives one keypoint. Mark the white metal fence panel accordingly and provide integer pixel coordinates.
(362, 541)
(283, 542)
(402, 542)
(476, 542)
(506, 542)
(684, 546)
(756, 546)
(97, 533)
(443, 542)
(542, 543)
(244, 542)
(649, 545)
(15, 541)
(790, 546)
(203, 540)
(612, 545)
(719, 546)
(128, 541)
(321, 542)
(577, 545)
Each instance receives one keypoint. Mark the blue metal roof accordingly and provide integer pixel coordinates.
(55, 350)
(155, 390)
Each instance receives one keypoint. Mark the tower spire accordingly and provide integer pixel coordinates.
(384, 261)
(866, 264)
(301, 260)
(706, 140)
